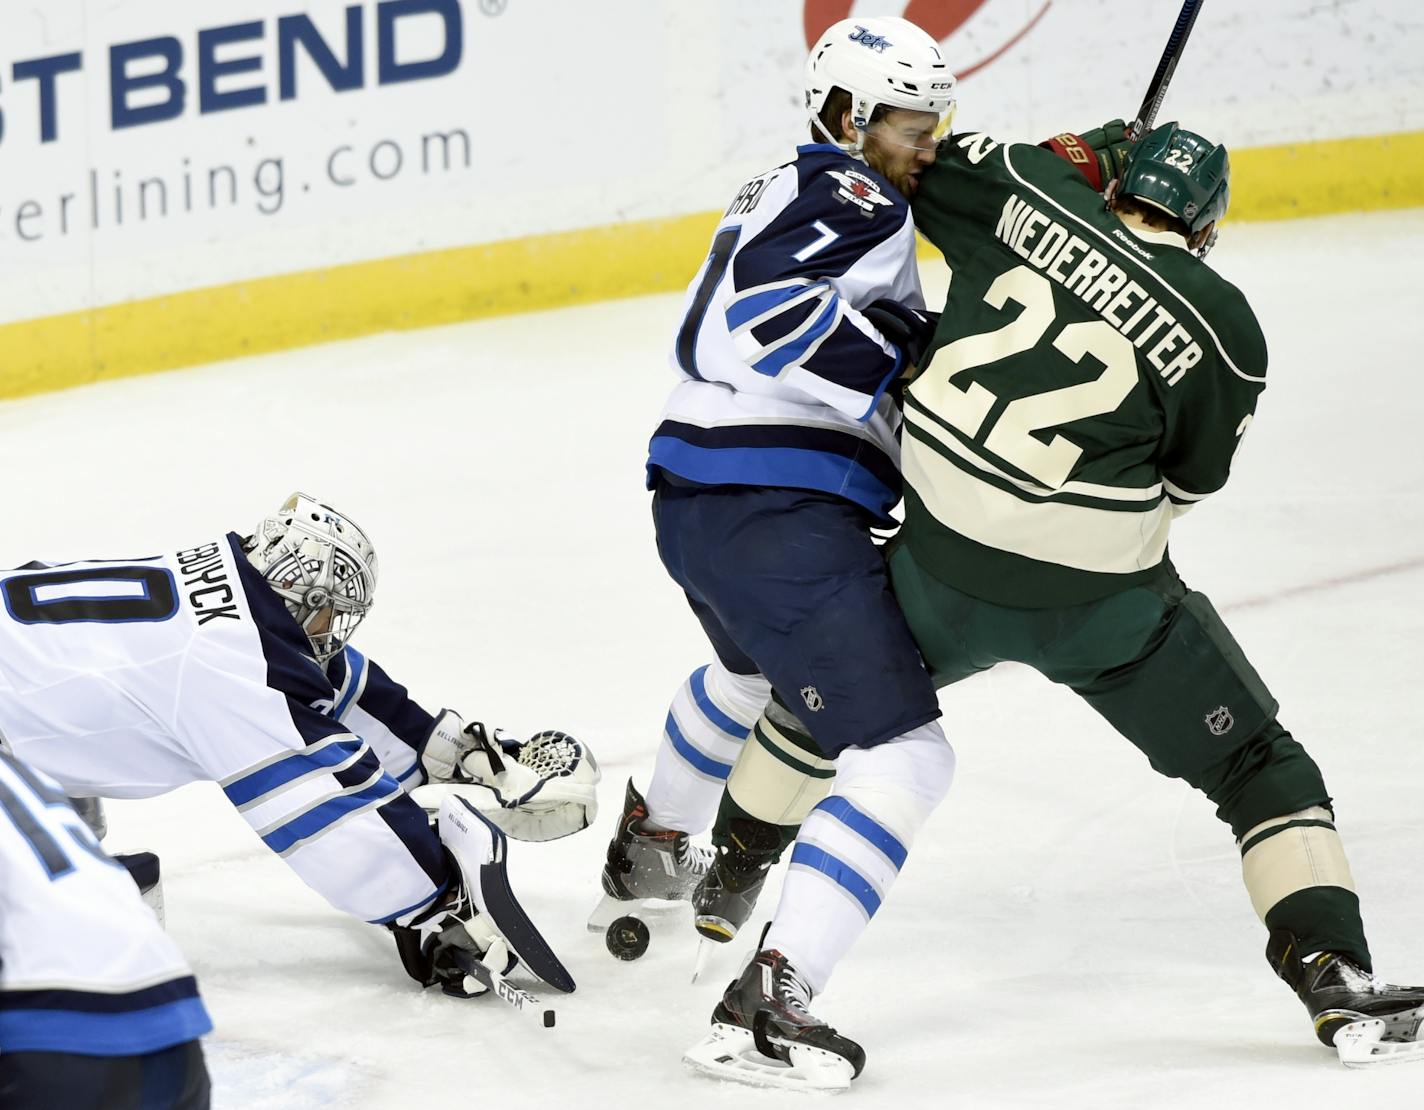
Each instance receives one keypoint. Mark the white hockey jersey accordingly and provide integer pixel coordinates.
(128, 678)
(84, 965)
(784, 379)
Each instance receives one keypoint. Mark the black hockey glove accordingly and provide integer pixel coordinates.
(910, 330)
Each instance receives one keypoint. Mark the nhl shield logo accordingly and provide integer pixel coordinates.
(812, 697)
(1219, 721)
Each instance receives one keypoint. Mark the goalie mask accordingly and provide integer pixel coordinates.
(321, 565)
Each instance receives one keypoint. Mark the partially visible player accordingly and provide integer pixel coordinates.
(97, 1007)
(230, 661)
(776, 454)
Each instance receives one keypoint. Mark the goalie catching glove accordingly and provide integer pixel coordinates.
(541, 789)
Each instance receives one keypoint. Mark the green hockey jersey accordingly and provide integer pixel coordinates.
(1086, 384)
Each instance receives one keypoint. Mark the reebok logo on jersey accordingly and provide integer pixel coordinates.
(859, 190)
(204, 565)
(1131, 244)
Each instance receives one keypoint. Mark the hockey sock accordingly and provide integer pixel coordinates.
(780, 776)
(707, 724)
(1298, 878)
(852, 847)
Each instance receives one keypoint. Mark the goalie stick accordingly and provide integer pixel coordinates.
(502, 988)
(1176, 43)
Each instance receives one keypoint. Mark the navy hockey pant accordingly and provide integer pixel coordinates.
(789, 583)
(171, 1079)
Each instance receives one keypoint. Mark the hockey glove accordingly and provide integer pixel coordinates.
(541, 789)
(908, 329)
(1098, 154)
(429, 944)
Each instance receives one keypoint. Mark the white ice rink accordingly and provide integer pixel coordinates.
(1070, 931)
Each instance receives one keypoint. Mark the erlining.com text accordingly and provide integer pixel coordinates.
(112, 200)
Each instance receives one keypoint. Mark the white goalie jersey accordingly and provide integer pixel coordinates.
(128, 678)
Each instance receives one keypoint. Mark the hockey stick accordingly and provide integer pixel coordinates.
(1176, 43)
(503, 989)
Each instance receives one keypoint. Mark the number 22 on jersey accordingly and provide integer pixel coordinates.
(1010, 435)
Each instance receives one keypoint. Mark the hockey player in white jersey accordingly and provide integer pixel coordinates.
(776, 454)
(97, 1006)
(230, 661)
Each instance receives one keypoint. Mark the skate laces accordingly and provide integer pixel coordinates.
(792, 990)
(691, 857)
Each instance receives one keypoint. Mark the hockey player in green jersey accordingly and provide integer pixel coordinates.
(1090, 380)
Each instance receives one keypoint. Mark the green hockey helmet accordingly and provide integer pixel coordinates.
(1181, 173)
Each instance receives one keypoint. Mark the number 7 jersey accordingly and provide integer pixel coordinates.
(783, 379)
(1085, 385)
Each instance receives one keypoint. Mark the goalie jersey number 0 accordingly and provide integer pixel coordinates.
(117, 594)
(112, 595)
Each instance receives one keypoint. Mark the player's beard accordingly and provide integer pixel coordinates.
(896, 170)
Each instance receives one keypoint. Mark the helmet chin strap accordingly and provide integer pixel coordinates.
(855, 150)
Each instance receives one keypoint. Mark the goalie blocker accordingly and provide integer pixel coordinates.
(477, 918)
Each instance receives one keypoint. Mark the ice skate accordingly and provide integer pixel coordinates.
(644, 864)
(724, 900)
(1366, 1020)
(764, 1034)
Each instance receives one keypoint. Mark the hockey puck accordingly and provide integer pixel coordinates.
(627, 938)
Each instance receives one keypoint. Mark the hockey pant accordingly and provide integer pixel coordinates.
(1161, 667)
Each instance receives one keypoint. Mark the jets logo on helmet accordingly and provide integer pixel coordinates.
(865, 38)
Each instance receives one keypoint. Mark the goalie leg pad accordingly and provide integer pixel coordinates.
(479, 848)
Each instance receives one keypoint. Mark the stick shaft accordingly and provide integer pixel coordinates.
(1176, 43)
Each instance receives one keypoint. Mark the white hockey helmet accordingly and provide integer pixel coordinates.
(321, 565)
(881, 60)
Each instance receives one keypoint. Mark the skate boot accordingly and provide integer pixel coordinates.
(725, 899)
(763, 1033)
(1338, 993)
(646, 864)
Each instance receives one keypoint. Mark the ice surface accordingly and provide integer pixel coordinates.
(1070, 930)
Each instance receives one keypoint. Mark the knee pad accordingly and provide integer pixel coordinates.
(899, 782)
(781, 774)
